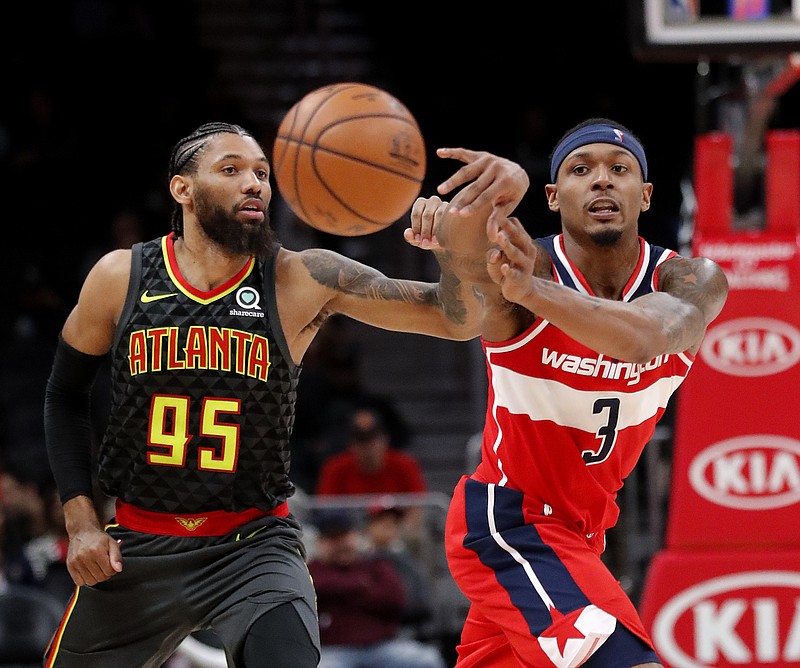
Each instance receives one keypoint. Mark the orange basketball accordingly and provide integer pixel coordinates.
(349, 159)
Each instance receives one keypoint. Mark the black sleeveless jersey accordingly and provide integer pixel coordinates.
(203, 391)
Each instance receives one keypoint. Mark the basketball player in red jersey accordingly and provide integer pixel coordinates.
(206, 328)
(586, 335)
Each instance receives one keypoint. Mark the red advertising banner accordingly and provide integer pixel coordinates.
(726, 589)
(724, 609)
(736, 462)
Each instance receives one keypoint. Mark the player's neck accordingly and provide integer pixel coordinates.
(205, 264)
(607, 269)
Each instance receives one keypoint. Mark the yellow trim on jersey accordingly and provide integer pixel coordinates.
(200, 300)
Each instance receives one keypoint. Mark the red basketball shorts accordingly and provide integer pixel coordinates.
(540, 594)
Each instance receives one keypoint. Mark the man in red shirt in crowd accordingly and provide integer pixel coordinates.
(370, 465)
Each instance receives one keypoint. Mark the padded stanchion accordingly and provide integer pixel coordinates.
(713, 178)
(724, 608)
(725, 591)
(782, 187)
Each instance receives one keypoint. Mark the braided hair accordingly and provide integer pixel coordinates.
(185, 155)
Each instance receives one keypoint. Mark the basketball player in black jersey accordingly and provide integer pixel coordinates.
(206, 328)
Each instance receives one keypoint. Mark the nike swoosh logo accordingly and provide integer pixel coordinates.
(147, 297)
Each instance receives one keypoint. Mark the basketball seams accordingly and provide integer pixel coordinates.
(335, 90)
(315, 145)
(347, 201)
(335, 196)
(356, 117)
(361, 161)
(284, 140)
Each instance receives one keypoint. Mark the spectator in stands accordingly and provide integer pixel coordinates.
(384, 533)
(46, 553)
(329, 390)
(28, 616)
(360, 600)
(370, 465)
(24, 519)
(33, 536)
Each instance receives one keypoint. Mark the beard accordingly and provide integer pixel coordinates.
(224, 229)
(606, 237)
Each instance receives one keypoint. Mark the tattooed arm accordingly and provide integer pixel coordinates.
(692, 292)
(701, 283)
(316, 283)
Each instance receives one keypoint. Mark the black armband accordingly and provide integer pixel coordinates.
(67, 419)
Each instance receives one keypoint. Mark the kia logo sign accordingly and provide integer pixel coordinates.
(720, 623)
(753, 472)
(751, 347)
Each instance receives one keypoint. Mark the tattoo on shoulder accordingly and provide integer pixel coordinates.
(695, 280)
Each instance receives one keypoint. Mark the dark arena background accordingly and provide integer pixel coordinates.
(96, 92)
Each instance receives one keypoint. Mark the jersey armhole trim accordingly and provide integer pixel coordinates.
(270, 292)
(133, 290)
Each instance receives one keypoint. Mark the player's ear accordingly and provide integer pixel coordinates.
(179, 188)
(552, 196)
(647, 193)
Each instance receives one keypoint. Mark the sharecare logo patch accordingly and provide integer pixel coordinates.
(752, 472)
(749, 619)
(751, 347)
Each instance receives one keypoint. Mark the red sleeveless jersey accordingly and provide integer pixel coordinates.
(565, 425)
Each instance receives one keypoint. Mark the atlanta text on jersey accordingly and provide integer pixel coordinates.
(217, 348)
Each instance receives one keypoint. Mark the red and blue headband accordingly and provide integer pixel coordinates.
(597, 134)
